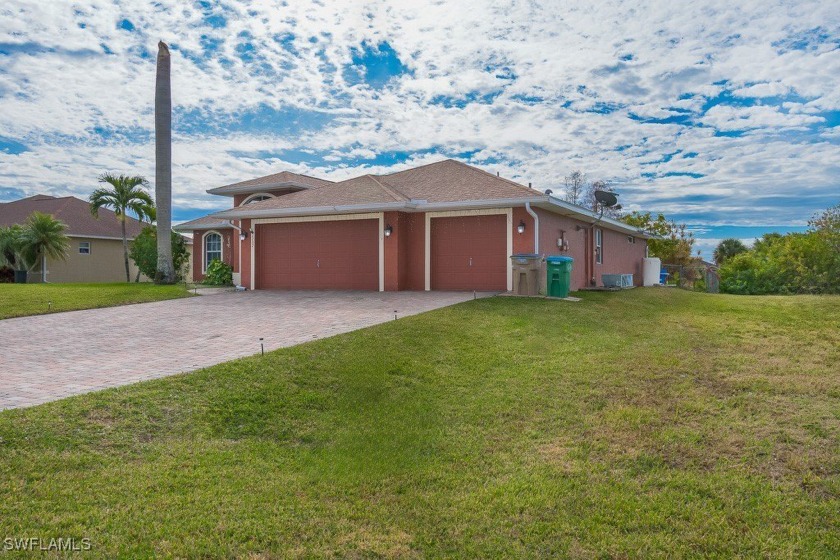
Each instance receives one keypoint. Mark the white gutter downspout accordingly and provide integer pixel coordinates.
(536, 227)
(239, 229)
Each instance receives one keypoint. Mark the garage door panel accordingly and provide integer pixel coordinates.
(341, 255)
(469, 253)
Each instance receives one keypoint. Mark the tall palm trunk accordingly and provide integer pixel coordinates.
(125, 249)
(163, 167)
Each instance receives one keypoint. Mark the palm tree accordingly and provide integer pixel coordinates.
(43, 236)
(163, 166)
(727, 249)
(126, 193)
(10, 247)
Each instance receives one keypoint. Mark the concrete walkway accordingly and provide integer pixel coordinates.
(49, 357)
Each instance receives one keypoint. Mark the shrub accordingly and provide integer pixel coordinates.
(218, 274)
(144, 253)
(796, 263)
(7, 275)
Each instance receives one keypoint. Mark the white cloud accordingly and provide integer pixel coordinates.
(765, 89)
(580, 72)
(761, 116)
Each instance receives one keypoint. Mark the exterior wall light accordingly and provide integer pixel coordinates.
(243, 236)
(388, 230)
(521, 227)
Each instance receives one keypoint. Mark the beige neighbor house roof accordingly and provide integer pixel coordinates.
(444, 185)
(72, 211)
(285, 180)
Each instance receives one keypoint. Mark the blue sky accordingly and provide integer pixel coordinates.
(723, 115)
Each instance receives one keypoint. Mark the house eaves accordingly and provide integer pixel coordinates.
(585, 215)
(542, 201)
(211, 225)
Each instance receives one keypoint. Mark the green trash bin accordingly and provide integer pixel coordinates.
(559, 271)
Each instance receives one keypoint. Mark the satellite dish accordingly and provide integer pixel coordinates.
(548, 191)
(606, 198)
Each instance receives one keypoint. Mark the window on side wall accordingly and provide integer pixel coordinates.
(84, 247)
(599, 246)
(212, 248)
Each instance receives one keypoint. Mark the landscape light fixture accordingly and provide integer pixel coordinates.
(388, 230)
(521, 227)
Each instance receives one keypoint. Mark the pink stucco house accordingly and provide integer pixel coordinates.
(442, 226)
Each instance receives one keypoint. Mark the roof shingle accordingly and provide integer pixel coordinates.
(453, 181)
(444, 181)
(282, 179)
(72, 211)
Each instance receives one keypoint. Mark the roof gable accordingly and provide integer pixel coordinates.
(452, 181)
(367, 189)
(285, 180)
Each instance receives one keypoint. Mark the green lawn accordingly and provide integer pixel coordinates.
(637, 424)
(17, 300)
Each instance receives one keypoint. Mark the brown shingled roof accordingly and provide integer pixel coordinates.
(204, 222)
(367, 189)
(446, 184)
(72, 211)
(444, 181)
(453, 181)
(284, 178)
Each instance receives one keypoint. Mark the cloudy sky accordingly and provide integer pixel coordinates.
(724, 115)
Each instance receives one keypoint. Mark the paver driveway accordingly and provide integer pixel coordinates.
(50, 357)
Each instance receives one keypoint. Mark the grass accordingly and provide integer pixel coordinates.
(647, 423)
(18, 300)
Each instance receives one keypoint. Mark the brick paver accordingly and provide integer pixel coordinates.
(49, 357)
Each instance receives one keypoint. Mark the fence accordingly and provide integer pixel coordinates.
(699, 278)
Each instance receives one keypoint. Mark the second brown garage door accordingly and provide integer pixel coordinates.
(469, 253)
(333, 255)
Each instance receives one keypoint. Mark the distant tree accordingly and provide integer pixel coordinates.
(144, 253)
(43, 236)
(676, 244)
(125, 194)
(766, 241)
(826, 224)
(795, 263)
(574, 187)
(727, 249)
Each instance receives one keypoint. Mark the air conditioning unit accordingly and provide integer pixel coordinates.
(617, 280)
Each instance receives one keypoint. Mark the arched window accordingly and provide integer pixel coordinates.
(212, 247)
(256, 198)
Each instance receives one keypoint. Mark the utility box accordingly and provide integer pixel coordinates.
(558, 276)
(526, 274)
(617, 280)
(650, 271)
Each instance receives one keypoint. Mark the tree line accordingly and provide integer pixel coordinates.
(794, 263)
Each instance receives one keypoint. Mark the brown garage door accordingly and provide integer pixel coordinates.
(469, 253)
(336, 255)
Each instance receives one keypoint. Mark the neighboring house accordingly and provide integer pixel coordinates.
(442, 226)
(96, 251)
